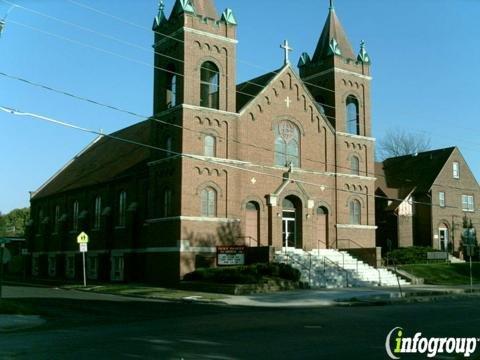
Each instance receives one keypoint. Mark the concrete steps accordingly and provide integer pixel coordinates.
(328, 268)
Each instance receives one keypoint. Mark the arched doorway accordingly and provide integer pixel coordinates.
(443, 237)
(292, 222)
(252, 223)
(322, 228)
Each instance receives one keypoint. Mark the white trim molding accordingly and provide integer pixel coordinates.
(356, 227)
(210, 35)
(193, 218)
(201, 108)
(360, 137)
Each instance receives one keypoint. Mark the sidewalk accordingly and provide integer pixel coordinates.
(349, 296)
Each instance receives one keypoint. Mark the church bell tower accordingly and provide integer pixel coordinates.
(195, 51)
(338, 80)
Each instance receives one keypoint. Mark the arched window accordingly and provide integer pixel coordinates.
(287, 144)
(353, 118)
(167, 203)
(209, 146)
(209, 85)
(168, 146)
(98, 213)
(355, 165)
(171, 88)
(76, 208)
(355, 212)
(209, 202)
(122, 208)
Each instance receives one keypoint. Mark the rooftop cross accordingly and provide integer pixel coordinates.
(161, 5)
(287, 49)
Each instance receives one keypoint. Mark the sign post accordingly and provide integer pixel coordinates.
(82, 241)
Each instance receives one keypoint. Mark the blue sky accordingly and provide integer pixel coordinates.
(424, 52)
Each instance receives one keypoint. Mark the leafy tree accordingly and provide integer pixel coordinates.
(399, 143)
(2, 225)
(13, 223)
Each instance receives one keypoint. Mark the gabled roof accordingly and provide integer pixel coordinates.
(417, 171)
(104, 160)
(333, 40)
(248, 90)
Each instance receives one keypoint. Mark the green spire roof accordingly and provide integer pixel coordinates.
(160, 19)
(363, 54)
(333, 40)
(228, 17)
(183, 6)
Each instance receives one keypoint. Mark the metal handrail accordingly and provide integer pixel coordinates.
(337, 266)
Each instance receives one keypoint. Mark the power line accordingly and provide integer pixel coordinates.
(166, 70)
(201, 158)
(143, 117)
(148, 49)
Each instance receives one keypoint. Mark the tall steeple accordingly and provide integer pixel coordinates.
(336, 77)
(333, 40)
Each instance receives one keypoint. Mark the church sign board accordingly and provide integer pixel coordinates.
(231, 255)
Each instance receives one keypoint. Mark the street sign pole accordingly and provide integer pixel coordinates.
(82, 241)
(471, 277)
(84, 272)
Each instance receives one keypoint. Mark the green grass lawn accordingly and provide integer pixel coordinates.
(445, 274)
(10, 307)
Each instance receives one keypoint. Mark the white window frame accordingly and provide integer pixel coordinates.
(468, 203)
(456, 170)
(441, 199)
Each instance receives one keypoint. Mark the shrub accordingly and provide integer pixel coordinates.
(410, 255)
(251, 274)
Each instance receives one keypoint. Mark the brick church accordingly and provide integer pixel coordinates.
(282, 160)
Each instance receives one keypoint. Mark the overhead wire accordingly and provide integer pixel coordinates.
(183, 127)
(322, 187)
(131, 59)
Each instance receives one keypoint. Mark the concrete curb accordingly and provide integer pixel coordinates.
(9, 323)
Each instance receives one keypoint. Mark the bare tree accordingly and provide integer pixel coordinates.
(399, 142)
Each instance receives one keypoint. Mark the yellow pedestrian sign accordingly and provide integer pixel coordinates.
(82, 238)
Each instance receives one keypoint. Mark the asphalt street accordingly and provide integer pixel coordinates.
(90, 326)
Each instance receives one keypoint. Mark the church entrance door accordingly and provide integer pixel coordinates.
(289, 229)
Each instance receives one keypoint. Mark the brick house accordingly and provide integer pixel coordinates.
(423, 198)
(284, 159)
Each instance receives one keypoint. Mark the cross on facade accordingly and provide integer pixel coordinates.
(288, 102)
(287, 49)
